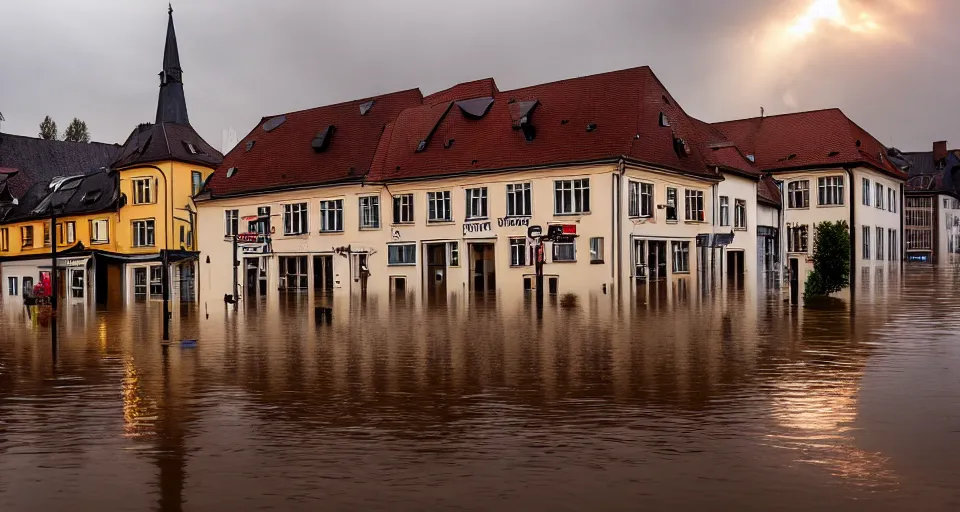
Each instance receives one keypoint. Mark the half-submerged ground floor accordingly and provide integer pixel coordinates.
(105, 279)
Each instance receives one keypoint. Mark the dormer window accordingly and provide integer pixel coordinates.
(663, 120)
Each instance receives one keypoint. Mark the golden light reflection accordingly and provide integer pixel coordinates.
(102, 334)
(830, 12)
(137, 418)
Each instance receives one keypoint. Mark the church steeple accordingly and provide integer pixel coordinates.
(172, 106)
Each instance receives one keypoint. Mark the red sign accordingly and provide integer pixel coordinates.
(569, 229)
(248, 238)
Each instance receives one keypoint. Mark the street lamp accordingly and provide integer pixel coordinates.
(56, 186)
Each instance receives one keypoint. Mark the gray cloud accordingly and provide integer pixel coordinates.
(244, 59)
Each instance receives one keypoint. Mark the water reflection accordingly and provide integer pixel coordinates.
(721, 396)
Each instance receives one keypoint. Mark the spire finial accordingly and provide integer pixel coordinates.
(169, 8)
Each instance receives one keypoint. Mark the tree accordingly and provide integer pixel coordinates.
(77, 132)
(48, 129)
(831, 259)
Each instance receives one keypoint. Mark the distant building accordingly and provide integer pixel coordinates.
(932, 210)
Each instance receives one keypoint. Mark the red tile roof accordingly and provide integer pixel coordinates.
(821, 138)
(768, 192)
(475, 89)
(621, 108)
(284, 158)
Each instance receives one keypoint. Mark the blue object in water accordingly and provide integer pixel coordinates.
(188, 343)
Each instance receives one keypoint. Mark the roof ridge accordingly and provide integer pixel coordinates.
(345, 103)
(6, 134)
(573, 78)
(801, 112)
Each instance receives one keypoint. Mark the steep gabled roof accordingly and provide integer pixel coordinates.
(927, 175)
(36, 160)
(286, 156)
(820, 138)
(95, 192)
(150, 143)
(599, 117)
(768, 192)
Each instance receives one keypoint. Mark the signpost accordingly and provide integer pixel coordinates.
(556, 233)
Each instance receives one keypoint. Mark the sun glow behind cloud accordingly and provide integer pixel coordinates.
(830, 12)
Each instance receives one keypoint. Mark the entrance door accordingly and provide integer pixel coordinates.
(436, 270)
(794, 281)
(735, 270)
(483, 268)
(322, 274)
(251, 268)
(140, 283)
(657, 259)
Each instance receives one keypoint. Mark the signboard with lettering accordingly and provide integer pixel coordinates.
(477, 227)
(509, 222)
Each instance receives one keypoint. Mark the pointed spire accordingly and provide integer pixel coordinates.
(172, 105)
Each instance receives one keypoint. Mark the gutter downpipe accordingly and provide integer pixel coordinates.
(618, 226)
(902, 237)
(167, 201)
(715, 188)
(853, 242)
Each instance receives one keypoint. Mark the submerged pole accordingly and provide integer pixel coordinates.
(236, 266)
(165, 272)
(54, 292)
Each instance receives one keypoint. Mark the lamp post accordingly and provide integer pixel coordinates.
(55, 187)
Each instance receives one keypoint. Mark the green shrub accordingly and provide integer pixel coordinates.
(831, 259)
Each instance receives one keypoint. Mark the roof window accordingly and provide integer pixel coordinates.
(274, 123)
(365, 107)
(475, 108)
(231, 172)
(250, 144)
(321, 141)
(663, 120)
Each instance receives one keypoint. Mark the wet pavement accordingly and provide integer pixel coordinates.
(727, 399)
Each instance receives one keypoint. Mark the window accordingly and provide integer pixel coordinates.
(143, 191)
(740, 214)
(76, 284)
(71, 232)
(12, 286)
(724, 211)
(295, 219)
(402, 254)
(4, 239)
(866, 192)
(798, 194)
(596, 250)
(331, 216)
(261, 226)
(892, 241)
(293, 272)
(641, 199)
(518, 252)
(564, 251)
(46, 234)
(99, 233)
(196, 181)
(694, 202)
(156, 281)
(438, 207)
(454, 254)
(866, 242)
(477, 203)
(519, 202)
(231, 220)
(140, 283)
(797, 238)
(892, 200)
(671, 204)
(143, 233)
(571, 196)
(879, 244)
(879, 196)
(553, 285)
(370, 212)
(403, 209)
(830, 191)
(27, 285)
(26, 235)
(681, 257)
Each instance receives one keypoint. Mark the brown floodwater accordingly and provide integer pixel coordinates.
(727, 400)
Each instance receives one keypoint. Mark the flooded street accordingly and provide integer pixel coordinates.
(724, 400)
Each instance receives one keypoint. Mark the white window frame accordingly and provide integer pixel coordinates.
(402, 248)
(571, 197)
(519, 199)
(693, 205)
(70, 231)
(798, 189)
(296, 219)
(672, 191)
(596, 249)
(680, 257)
(143, 192)
(867, 190)
(641, 197)
(331, 216)
(95, 231)
(879, 189)
(830, 191)
(369, 212)
(13, 286)
(403, 207)
(231, 223)
(439, 206)
(798, 235)
(891, 200)
(724, 210)
(518, 252)
(880, 251)
(865, 233)
(739, 214)
(144, 232)
(453, 249)
(892, 243)
(556, 249)
(476, 203)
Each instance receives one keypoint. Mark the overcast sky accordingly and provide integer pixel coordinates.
(891, 65)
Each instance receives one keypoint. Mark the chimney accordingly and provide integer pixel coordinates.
(939, 150)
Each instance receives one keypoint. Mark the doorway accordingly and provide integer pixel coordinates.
(323, 274)
(657, 259)
(255, 278)
(794, 281)
(483, 267)
(140, 284)
(735, 267)
(436, 270)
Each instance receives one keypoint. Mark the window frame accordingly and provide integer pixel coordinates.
(798, 233)
(402, 207)
(578, 202)
(4, 239)
(26, 237)
(231, 223)
(867, 191)
(94, 232)
(683, 249)
(879, 243)
(331, 212)
(13, 286)
(149, 183)
(453, 254)
(369, 212)
(518, 252)
(672, 214)
(390, 260)
(524, 191)
(196, 182)
(300, 212)
(70, 232)
(558, 245)
(795, 191)
(830, 188)
(865, 252)
(149, 231)
(697, 206)
(436, 201)
(641, 195)
(740, 214)
(596, 253)
(475, 199)
(724, 210)
(891, 200)
(879, 195)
